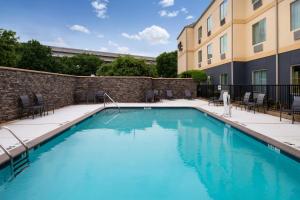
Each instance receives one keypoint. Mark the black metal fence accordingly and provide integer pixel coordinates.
(276, 95)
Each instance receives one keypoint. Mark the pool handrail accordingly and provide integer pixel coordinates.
(15, 136)
(111, 99)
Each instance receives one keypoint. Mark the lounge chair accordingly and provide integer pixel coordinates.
(169, 94)
(39, 101)
(99, 96)
(217, 101)
(188, 94)
(295, 109)
(149, 96)
(259, 102)
(27, 108)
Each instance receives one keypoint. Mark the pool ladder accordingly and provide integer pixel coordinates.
(20, 162)
(111, 99)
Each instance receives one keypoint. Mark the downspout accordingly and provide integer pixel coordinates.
(277, 50)
(231, 67)
(187, 55)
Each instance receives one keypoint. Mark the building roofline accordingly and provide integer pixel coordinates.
(196, 22)
(98, 53)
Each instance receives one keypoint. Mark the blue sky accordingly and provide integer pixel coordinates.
(144, 27)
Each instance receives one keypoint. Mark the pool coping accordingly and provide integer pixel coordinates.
(268, 141)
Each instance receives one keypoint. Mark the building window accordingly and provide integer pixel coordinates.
(295, 15)
(259, 80)
(296, 75)
(223, 44)
(259, 32)
(209, 25)
(199, 34)
(199, 56)
(223, 12)
(224, 79)
(209, 51)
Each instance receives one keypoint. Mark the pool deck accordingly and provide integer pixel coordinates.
(284, 135)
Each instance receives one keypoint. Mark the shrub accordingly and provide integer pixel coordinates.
(198, 75)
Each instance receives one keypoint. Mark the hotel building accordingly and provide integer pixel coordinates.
(244, 42)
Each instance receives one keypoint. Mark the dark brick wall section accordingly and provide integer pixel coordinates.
(15, 82)
(65, 90)
(176, 85)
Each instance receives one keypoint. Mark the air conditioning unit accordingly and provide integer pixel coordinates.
(209, 61)
(223, 56)
(199, 65)
(258, 48)
(222, 22)
(208, 33)
(297, 35)
(257, 4)
(199, 41)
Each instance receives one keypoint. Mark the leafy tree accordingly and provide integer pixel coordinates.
(167, 64)
(198, 75)
(127, 66)
(35, 56)
(8, 48)
(83, 64)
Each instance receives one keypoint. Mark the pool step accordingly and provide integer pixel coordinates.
(20, 163)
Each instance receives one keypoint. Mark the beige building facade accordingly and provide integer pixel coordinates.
(244, 42)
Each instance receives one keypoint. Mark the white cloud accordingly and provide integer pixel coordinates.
(100, 36)
(119, 49)
(103, 49)
(100, 7)
(184, 10)
(59, 42)
(80, 28)
(189, 17)
(164, 13)
(153, 35)
(166, 3)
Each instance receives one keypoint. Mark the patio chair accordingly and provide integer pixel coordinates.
(217, 101)
(156, 95)
(27, 108)
(149, 96)
(39, 101)
(259, 102)
(294, 110)
(245, 100)
(90, 97)
(169, 94)
(99, 96)
(188, 94)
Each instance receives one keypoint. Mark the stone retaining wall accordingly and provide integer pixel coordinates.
(65, 90)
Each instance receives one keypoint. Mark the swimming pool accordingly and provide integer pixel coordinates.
(154, 154)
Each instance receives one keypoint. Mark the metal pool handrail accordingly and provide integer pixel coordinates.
(15, 136)
(111, 99)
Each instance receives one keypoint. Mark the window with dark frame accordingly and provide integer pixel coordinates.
(223, 12)
(295, 15)
(209, 52)
(209, 25)
(259, 32)
(199, 34)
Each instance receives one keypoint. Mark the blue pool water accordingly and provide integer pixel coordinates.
(176, 154)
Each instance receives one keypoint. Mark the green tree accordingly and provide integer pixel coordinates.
(8, 48)
(83, 64)
(35, 56)
(127, 66)
(198, 75)
(167, 64)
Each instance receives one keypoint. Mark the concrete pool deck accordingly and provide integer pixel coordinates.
(284, 135)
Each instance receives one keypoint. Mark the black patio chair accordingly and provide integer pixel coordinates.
(149, 96)
(294, 110)
(46, 106)
(188, 94)
(245, 100)
(169, 94)
(99, 96)
(90, 97)
(28, 108)
(259, 102)
(217, 101)
(156, 95)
